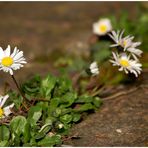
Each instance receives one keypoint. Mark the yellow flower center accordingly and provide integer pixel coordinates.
(103, 28)
(7, 61)
(1, 112)
(124, 62)
(124, 43)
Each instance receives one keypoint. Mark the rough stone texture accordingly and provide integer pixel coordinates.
(122, 121)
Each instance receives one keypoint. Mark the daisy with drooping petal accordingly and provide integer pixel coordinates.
(126, 64)
(102, 27)
(94, 68)
(6, 111)
(120, 41)
(126, 43)
(10, 62)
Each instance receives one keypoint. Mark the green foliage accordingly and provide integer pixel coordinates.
(17, 125)
(50, 141)
(40, 125)
(4, 133)
(100, 51)
(34, 115)
(47, 86)
(31, 88)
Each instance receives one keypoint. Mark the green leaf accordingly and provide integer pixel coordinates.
(84, 99)
(43, 131)
(76, 117)
(50, 141)
(85, 107)
(97, 101)
(33, 142)
(47, 86)
(34, 114)
(66, 118)
(17, 140)
(4, 143)
(32, 87)
(68, 99)
(27, 133)
(50, 120)
(65, 110)
(54, 104)
(101, 51)
(57, 112)
(65, 85)
(17, 99)
(4, 133)
(17, 125)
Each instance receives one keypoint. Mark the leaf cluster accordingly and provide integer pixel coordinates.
(55, 104)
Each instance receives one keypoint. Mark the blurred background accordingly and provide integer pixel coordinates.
(55, 34)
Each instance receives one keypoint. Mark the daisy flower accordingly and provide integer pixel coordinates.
(120, 41)
(102, 27)
(126, 64)
(10, 62)
(94, 68)
(6, 110)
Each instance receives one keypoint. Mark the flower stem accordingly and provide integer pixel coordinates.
(25, 99)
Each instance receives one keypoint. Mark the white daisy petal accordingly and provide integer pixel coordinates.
(14, 52)
(7, 51)
(11, 71)
(3, 100)
(7, 110)
(1, 53)
(135, 51)
(18, 56)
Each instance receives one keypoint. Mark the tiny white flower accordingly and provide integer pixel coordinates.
(60, 125)
(120, 41)
(10, 62)
(126, 64)
(102, 27)
(94, 68)
(118, 130)
(6, 110)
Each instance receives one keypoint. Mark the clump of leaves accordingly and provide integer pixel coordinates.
(54, 103)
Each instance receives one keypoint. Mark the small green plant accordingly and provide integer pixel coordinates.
(52, 108)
